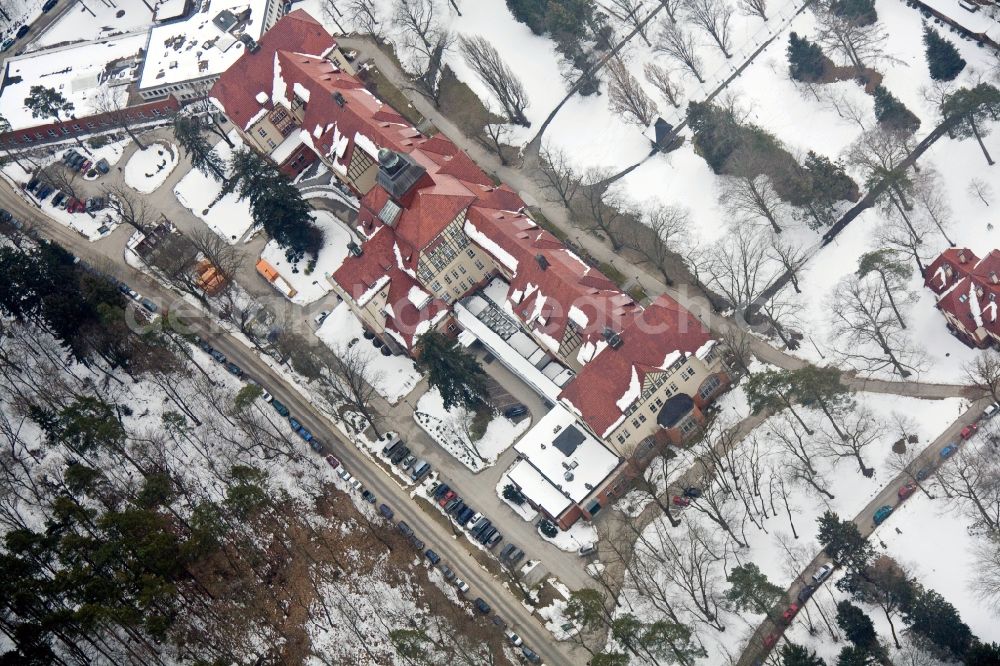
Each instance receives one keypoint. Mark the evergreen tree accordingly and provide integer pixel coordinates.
(609, 658)
(933, 617)
(829, 184)
(821, 387)
(892, 113)
(857, 625)
(773, 390)
(806, 61)
(529, 12)
(943, 59)
(852, 655)
(983, 654)
(188, 132)
(751, 590)
(797, 655)
(969, 109)
(842, 541)
(860, 12)
(672, 642)
(46, 102)
(455, 372)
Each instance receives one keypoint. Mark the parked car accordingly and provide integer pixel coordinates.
(405, 529)
(882, 513)
(446, 497)
(315, 445)
(680, 501)
(102, 166)
(923, 473)
(790, 613)
(5, 215)
(305, 434)
(57, 199)
(217, 355)
(462, 586)
(344, 475)
(479, 527)
(391, 448)
(969, 430)
(494, 539)
(333, 462)
(692, 492)
(356, 485)
(770, 640)
(465, 516)
(806, 592)
(906, 490)
(6, 44)
(448, 574)
(150, 305)
(585, 551)
(499, 622)
(368, 496)
(265, 396)
(399, 454)
(482, 606)
(514, 411)
(514, 639)
(822, 573)
(386, 511)
(440, 490)
(389, 440)
(530, 655)
(279, 407)
(22, 31)
(432, 556)
(408, 462)
(949, 450)
(321, 317)
(420, 469)
(452, 503)
(234, 369)
(417, 543)
(44, 191)
(49, 4)
(292, 421)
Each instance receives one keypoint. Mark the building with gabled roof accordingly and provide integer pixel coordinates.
(967, 289)
(445, 247)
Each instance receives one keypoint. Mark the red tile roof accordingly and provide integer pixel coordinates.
(648, 345)
(968, 287)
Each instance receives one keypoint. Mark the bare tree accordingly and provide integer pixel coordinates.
(427, 39)
(112, 101)
(858, 44)
(870, 337)
(210, 115)
(659, 236)
(983, 372)
(630, 14)
(714, 17)
(739, 266)
(791, 257)
(498, 135)
(843, 103)
(227, 259)
(906, 237)
(800, 451)
(971, 479)
(749, 195)
(878, 153)
(671, 7)
(861, 429)
(559, 169)
(602, 206)
(626, 96)
(754, 8)
(980, 189)
(986, 586)
(784, 312)
(679, 45)
(904, 458)
(483, 58)
(931, 200)
(131, 207)
(660, 78)
(353, 382)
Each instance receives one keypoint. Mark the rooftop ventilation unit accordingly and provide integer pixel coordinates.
(568, 476)
(543, 263)
(613, 339)
(339, 99)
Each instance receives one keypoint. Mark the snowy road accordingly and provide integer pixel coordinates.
(455, 552)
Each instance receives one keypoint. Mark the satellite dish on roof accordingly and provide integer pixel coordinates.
(568, 475)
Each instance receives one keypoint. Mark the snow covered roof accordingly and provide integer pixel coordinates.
(170, 9)
(196, 47)
(570, 461)
(967, 287)
(605, 387)
(77, 71)
(538, 489)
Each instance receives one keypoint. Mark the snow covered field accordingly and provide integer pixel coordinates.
(230, 216)
(147, 169)
(397, 374)
(450, 429)
(313, 286)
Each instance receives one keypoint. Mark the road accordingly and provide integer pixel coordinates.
(930, 456)
(455, 552)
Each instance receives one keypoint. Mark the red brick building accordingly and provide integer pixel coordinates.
(967, 289)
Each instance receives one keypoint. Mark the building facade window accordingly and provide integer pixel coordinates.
(709, 387)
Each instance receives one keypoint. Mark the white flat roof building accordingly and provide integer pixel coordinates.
(566, 463)
(201, 47)
(78, 71)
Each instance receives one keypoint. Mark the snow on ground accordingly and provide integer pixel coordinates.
(147, 169)
(103, 20)
(773, 551)
(314, 285)
(580, 535)
(229, 216)
(20, 12)
(396, 374)
(523, 510)
(450, 430)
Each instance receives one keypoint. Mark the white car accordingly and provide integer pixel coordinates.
(990, 411)
(462, 586)
(822, 573)
(265, 396)
(356, 485)
(514, 639)
(321, 317)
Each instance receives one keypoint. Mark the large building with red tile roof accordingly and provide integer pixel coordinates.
(445, 247)
(967, 288)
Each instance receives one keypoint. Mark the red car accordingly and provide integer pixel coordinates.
(906, 490)
(447, 497)
(334, 463)
(969, 430)
(770, 640)
(789, 613)
(681, 501)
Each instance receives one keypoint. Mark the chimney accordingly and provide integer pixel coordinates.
(962, 257)
(993, 277)
(339, 99)
(613, 339)
(543, 263)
